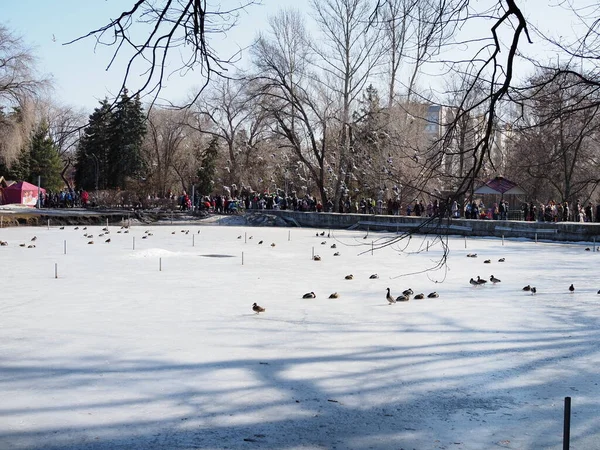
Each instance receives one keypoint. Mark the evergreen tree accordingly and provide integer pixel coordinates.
(206, 172)
(94, 148)
(44, 161)
(128, 127)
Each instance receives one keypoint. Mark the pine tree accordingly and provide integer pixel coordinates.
(94, 148)
(128, 128)
(207, 170)
(44, 161)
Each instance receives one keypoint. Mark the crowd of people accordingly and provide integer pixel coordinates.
(476, 209)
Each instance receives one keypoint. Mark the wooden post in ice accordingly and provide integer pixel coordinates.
(160, 264)
(48, 223)
(372, 245)
(171, 217)
(242, 258)
(65, 247)
(536, 238)
(427, 245)
(107, 222)
(1, 221)
(567, 424)
(502, 239)
(289, 235)
(193, 240)
(313, 253)
(55, 270)
(465, 241)
(594, 244)
(133, 242)
(245, 237)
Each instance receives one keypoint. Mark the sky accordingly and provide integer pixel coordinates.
(79, 70)
(158, 348)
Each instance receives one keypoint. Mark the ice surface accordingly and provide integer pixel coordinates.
(115, 354)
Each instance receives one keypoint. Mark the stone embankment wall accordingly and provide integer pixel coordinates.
(560, 231)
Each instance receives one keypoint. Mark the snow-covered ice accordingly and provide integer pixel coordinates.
(115, 354)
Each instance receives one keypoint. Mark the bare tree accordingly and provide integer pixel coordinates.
(176, 40)
(229, 113)
(168, 150)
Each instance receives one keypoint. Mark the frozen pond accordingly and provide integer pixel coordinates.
(117, 354)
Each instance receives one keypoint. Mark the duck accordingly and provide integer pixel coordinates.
(349, 277)
(471, 255)
(90, 242)
(119, 232)
(480, 280)
(62, 228)
(334, 295)
(33, 238)
(333, 246)
(105, 229)
(272, 244)
(322, 234)
(257, 309)
(433, 295)
(374, 276)
(107, 241)
(598, 292)
(21, 245)
(494, 280)
(316, 258)
(420, 296)
(402, 298)
(502, 260)
(85, 228)
(389, 297)
(3, 243)
(527, 288)
(317, 234)
(533, 290)
(126, 231)
(587, 249)
(76, 228)
(408, 292)
(324, 242)
(260, 242)
(473, 282)
(309, 295)
(172, 232)
(239, 237)
(145, 237)
(487, 261)
(572, 288)
(336, 254)
(31, 246)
